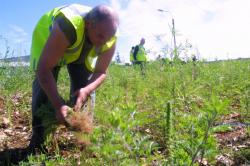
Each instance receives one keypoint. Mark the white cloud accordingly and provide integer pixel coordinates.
(17, 34)
(19, 41)
(219, 28)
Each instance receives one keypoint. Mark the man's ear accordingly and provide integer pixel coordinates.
(90, 24)
(87, 24)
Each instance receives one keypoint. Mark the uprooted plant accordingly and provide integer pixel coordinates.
(79, 122)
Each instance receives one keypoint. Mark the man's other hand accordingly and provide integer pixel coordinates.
(61, 114)
(82, 96)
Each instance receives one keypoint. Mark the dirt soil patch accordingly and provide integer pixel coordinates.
(234, 144)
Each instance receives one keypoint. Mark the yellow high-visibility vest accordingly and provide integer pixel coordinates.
(141, 55)
(74, 13)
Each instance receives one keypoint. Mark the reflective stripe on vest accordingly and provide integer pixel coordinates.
(75, 13)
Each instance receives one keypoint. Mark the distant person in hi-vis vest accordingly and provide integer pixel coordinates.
(83, 39)
(140, 55)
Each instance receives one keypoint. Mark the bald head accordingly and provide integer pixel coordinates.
(102, 13)
(101, 24)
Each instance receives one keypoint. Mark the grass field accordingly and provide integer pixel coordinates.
(175, 114)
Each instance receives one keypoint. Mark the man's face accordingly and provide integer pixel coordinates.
(99, 33)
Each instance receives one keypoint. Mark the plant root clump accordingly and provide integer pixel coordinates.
(80, 121)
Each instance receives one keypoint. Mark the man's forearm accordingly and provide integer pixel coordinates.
(49, 86)
(95, 81)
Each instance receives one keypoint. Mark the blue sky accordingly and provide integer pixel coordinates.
(25, 13)
(18, 19)
(217, 29)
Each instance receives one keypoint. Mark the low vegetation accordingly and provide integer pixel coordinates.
(176, 114)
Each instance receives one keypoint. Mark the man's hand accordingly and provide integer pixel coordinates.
(82, 96)
(61, 114)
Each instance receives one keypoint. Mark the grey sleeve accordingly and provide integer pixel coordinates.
(67, 28)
